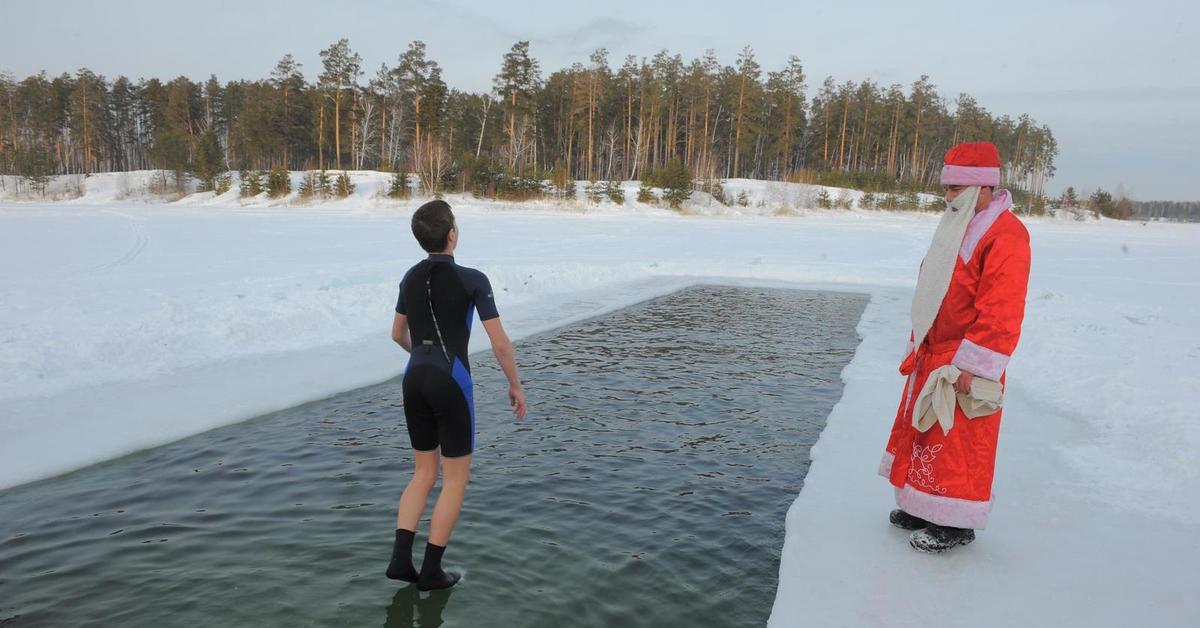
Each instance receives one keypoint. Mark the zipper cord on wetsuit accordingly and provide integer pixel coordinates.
(436, 327)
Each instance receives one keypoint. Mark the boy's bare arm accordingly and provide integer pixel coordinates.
(506, 356)
(400, 332)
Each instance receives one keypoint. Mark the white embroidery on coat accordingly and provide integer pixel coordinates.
(920, 471)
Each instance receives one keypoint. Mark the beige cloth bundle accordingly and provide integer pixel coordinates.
(936, 401)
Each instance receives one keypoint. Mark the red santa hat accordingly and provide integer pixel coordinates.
(972, 164)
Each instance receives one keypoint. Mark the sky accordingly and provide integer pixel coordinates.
(1117, 82)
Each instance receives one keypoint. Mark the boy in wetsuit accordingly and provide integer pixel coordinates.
(437, 303)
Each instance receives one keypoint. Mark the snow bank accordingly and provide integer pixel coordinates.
(1097, 489)
(743, 197)
(125, 325)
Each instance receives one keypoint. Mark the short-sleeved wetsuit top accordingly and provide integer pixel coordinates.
(440, 299)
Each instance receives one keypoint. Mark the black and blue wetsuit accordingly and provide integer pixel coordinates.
(440, 299)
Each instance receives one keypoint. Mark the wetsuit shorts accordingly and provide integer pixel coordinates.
(438, 411)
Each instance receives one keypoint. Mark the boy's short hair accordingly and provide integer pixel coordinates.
(431, 225)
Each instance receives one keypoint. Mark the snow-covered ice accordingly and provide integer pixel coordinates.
(126, 324)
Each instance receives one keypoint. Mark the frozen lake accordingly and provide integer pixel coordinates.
(114, 315)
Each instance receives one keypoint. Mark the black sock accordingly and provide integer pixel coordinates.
(432, 576)
(401, 566)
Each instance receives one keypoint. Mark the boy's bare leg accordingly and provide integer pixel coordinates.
(412, 501)
(456, 472)
(408, 515)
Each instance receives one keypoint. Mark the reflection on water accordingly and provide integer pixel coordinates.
(409, 608)
(648, 486)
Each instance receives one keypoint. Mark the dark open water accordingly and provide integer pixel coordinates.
(648, 487)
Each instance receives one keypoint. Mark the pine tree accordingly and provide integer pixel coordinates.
(343, 67)
(568, 189)
(516, 86)
(646, 195)
(1070, 198)
(748, 73)
(174, 130)
(399, 185)
(279, 182)
(34, 166)
(251, 183)
(419, 84)
(90, 120)
(615, 193)
(785, 124)
(344, 186)
(324, 185)
(594, 191)
(561, 183)
(1101, 203)
(209, 162)
(292, 114)
(676, 183)
(308, 185)
(1123, 209)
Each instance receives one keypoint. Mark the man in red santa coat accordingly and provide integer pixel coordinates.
(966, 320)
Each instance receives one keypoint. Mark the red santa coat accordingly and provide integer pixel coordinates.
(947, 478)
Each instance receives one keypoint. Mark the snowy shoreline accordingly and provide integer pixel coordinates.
(743, 197)
(126, 325)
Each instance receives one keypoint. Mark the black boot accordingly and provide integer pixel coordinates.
(432, 577)
(401, 566)
(905, 521)
(936, 539)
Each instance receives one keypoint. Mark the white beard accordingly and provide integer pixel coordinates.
(934, 278)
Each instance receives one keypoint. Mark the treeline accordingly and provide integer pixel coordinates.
(1188, 211)
(1099, 203)
(1118, 205)
(589, 121)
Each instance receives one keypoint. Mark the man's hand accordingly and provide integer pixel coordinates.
(516, 398)
(963, 385)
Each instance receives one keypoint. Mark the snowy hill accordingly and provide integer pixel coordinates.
(744, 197)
